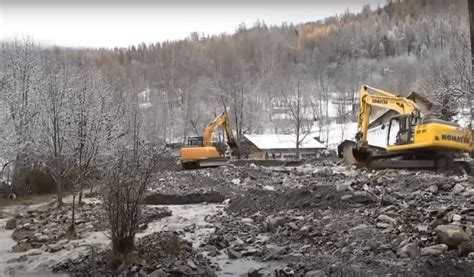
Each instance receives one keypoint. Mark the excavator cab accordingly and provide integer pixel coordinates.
(401, 129)
(195, 141)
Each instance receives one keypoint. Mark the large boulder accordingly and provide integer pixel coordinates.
(386, 218)
(466, 247)
(410, 250)
(434, 250)
(458, 188)
(362, 197)
(159, 273)
(272, 223)
(11, 224)
(315, 273)
(343, 186)
(233, 254)
(451, 235)
(388, 200)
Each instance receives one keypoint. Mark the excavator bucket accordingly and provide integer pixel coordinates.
(355, 156)
(361, 155)
(235, 149)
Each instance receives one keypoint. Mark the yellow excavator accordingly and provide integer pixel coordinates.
(202, 152)
(412, 142)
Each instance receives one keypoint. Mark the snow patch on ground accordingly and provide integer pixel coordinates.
(6, 244)
(270, 188)
(242, 266)
(37, 260)
(185, 216)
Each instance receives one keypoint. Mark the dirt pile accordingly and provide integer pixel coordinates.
(232, 180)
(191, 198)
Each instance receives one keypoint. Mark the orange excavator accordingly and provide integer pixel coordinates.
(203, 152)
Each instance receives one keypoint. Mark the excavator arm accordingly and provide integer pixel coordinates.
(382, 99)
(221, 121)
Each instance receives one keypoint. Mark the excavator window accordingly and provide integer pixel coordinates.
(393, 128)
(402, 127)
(195, 141)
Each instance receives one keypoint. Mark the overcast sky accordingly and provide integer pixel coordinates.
(110, 23)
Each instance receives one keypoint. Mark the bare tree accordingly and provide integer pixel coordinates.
(342, 113)
(447, 89)
(127, 181)
(122, 195)
(20, 80)
(298, 104)
(88, 104)
(54, 120)
(320, 98)
(471, 79)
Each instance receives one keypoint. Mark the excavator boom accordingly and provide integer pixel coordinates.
(384, 100)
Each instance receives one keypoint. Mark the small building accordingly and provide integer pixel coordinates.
(276, 146)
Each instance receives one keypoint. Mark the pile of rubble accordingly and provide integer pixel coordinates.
(49, 228)
(351, 219)
(313, 220)
(355, 221)
(231, 180)
(158, 254)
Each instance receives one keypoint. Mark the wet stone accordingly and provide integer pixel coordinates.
(233, 254)
(410, 250)
(388, 200)
(11, 224)
(434, 250)
(451, 235)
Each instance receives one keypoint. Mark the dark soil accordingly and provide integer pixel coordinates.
(192, 198)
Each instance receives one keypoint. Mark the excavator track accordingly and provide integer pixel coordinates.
(211, 162)
(443, 163)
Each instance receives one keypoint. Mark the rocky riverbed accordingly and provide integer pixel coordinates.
(311, 220)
